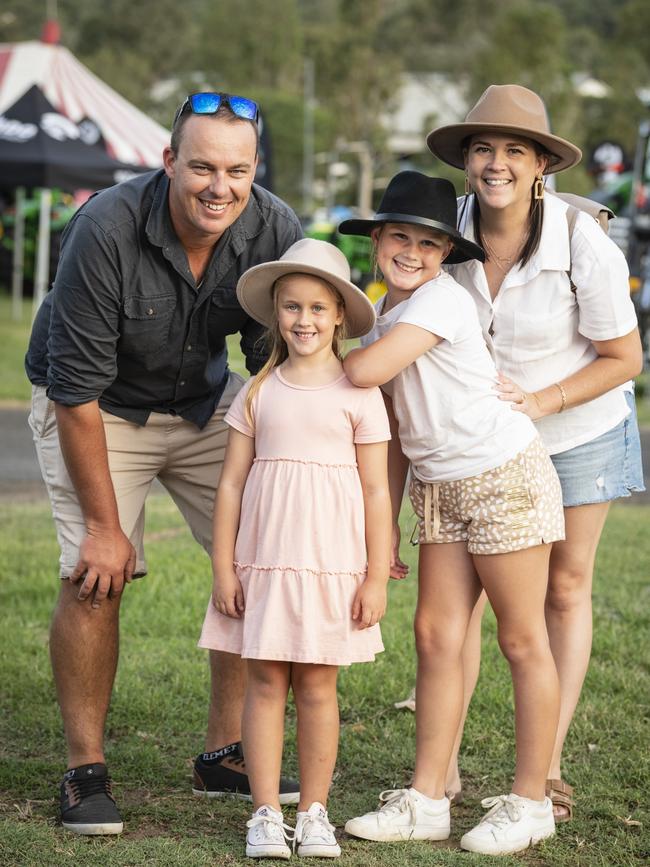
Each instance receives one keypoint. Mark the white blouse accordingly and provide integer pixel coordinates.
(540, 331)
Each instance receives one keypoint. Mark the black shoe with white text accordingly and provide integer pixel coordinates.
(223, 772)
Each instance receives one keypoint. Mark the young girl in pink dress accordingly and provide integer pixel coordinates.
(302, 529)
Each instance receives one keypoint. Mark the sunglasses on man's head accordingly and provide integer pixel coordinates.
(209, 103)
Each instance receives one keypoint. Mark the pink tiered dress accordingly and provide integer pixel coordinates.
(300, 553)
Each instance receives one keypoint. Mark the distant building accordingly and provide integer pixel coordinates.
(425, 100)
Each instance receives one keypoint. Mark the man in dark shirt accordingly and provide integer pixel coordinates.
(129, 365)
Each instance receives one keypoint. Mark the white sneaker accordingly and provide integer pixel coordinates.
(314, 834)
(512, 824)
(402, 815)
(267, 834)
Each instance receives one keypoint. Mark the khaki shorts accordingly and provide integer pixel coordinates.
(186, 460)
(514, 506)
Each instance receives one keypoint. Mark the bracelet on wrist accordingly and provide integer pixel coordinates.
(563, 395)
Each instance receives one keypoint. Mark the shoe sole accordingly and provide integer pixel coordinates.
(319, 851)
(286, 799)
(399, 835)
(94, 829)
(268, 852)
(515, 847)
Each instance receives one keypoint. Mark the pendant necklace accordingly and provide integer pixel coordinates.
(503, 263)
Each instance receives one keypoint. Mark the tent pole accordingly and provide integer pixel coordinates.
(43, 252)
(19, 250)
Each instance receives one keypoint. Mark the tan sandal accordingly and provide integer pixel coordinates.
(561, 795)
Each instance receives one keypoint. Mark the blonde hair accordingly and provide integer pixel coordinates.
(276, 346)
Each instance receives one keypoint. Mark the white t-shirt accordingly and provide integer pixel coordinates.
(451, 423)
(540, 331)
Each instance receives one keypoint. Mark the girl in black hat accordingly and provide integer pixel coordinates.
(488, 502)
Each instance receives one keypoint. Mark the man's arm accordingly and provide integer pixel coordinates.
(84, 329)
(106, 557)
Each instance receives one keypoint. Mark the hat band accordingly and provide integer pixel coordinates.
(445, 228)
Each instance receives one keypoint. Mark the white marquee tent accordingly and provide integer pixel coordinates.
(76, 93)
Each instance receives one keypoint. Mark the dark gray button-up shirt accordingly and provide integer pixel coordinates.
(126, 323)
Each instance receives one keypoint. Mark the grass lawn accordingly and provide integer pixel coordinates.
(14, 337)
(157, 718)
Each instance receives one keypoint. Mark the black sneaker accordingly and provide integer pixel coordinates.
(87, 802)
(212, 779)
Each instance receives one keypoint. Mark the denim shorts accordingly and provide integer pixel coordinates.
(605, 468)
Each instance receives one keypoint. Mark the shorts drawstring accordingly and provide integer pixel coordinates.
(431, 503)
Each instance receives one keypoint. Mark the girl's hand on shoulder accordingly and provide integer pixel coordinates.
(369, 604)
(520, 400)
(227, 594)
(398, 569)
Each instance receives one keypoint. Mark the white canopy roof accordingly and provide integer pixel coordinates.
(74, 91)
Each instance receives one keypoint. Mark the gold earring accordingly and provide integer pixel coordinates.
(538, 188)
(468, 188)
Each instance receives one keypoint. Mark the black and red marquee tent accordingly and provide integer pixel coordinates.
(39, 147)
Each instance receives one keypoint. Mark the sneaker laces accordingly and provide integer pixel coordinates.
(274, 824)
(395, 801)
(82, 788)
(315, 823)
(236, 757)
(503, 810)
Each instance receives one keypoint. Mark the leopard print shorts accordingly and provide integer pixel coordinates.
(514, 506)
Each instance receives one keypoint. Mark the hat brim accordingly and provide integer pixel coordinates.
(462, 249)
(446, 143)
(254, 292)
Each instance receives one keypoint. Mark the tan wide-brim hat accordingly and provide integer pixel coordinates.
(308, 256)
(504, 108)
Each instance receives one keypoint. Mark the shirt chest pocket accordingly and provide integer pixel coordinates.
(538, 336)
(146, 324)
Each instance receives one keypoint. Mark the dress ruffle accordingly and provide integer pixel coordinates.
(281, 608)
(302, 515)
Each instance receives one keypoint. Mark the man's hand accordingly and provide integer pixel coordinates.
(227, 593)
(369, 604)
(106, 561)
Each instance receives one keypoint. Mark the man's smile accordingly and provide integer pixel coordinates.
(216, 207)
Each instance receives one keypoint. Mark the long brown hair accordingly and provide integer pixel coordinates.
(276, 346)
(535, 213)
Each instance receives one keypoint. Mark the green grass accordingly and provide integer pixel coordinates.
(157, 718)
(643, 399)
(14, 337)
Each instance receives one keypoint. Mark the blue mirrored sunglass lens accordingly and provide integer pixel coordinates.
(205, 103)
(243, 107)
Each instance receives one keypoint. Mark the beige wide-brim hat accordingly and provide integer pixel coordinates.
(308, 256)
(504, 108)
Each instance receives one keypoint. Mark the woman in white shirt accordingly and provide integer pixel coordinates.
(555, 309)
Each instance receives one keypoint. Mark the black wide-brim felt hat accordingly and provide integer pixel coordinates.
(412, 197)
